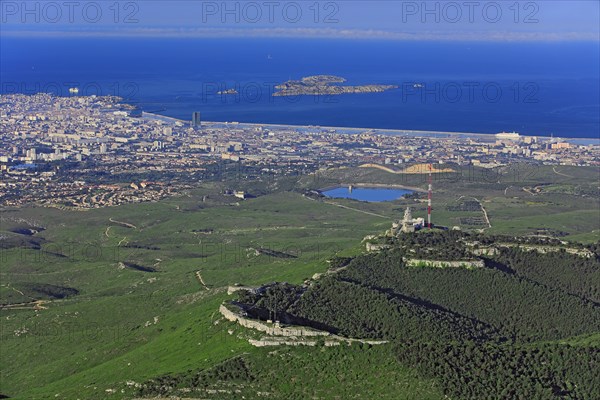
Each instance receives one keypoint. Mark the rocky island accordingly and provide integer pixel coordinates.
(325, 85)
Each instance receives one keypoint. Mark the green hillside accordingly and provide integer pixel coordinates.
(105, 303)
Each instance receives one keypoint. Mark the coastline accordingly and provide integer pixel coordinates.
(381, 131)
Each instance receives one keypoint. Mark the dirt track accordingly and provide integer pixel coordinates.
(199, 277)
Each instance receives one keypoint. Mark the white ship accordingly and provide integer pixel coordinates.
(507, 135)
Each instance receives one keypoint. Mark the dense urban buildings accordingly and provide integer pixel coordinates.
(91, 152)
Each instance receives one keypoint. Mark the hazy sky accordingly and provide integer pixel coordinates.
(400, 20)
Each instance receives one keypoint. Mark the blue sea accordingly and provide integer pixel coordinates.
(538, 89)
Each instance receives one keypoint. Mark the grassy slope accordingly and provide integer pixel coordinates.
(357, 372)
(83, 345)
(98, 339)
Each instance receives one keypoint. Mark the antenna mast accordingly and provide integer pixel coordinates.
(429, 199)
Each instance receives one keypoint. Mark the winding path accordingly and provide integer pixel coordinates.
(122, 223)
(350, 208)
(31, 305)
(483, 210)
(560, 173)
(199, 277)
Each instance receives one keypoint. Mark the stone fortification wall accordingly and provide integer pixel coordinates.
(290, 336)
(268, 328)
(445, 264)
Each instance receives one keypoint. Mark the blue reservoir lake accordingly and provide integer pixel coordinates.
(370, 194)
